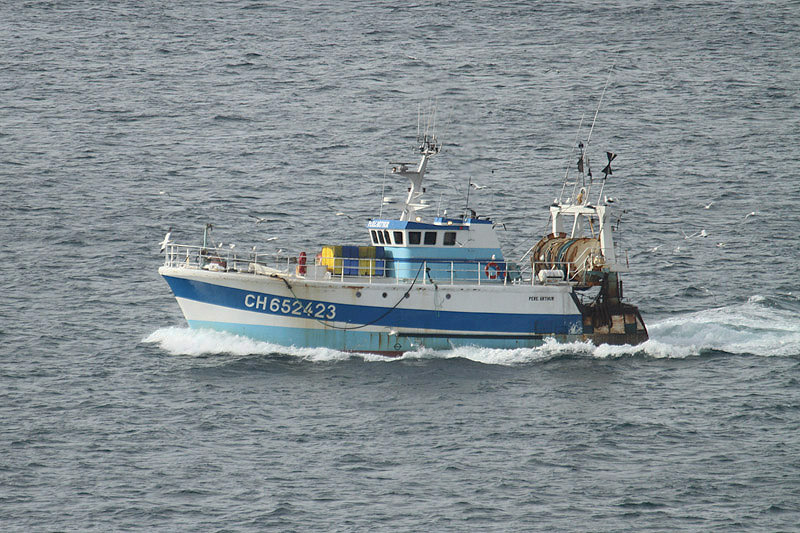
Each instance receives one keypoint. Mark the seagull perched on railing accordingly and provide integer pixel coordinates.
(166, 240)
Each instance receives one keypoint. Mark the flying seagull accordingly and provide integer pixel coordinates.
(701, 233)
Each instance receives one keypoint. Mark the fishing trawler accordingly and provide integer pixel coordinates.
(416, 282)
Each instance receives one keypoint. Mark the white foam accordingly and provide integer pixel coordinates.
(550, 350)
(497, 356)
(748, 328)
(202, 342)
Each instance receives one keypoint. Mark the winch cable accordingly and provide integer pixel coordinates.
(405, 295)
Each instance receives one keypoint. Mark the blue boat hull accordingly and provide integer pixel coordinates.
(383, 318)
(371, 342)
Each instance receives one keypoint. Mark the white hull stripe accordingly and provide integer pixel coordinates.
(331, 313)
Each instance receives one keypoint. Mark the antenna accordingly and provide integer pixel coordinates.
(446, 124)
(589, 138)
(569, 164)
(584, 148)
(574, 143)
(383, 193)
(419, 111)
(435, 106)
(608, 80)
(206, 232)
(466, 206)
(428, 124)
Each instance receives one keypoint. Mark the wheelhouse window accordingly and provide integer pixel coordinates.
(387, 237)
(398, 237)
(374, 236)
(414, 237)
(449, 238)
(380, 237)
(430, 238)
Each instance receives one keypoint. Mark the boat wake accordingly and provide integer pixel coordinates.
(204, 342)
(761, 326)
(758, 327)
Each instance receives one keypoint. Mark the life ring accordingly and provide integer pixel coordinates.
(301, 264)
(497, 271)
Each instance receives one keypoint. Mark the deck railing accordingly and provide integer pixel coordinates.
(349, 269)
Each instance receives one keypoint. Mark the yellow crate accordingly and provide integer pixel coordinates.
(331, 258)
(366, 261)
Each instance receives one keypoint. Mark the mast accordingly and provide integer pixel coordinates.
(429, 147)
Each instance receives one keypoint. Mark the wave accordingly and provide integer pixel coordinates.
(205, 342)
(761, 326)
(757, 327)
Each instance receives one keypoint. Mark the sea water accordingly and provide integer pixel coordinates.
(119, 121)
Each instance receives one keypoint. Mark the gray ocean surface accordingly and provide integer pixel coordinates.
(119, 120)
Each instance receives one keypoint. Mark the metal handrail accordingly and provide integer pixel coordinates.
(370, 270)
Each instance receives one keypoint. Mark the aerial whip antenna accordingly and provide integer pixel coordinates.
(466, 206)
(435, 109)
(608, 80)
(566, 172)
(585, 148)
(419, 110)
